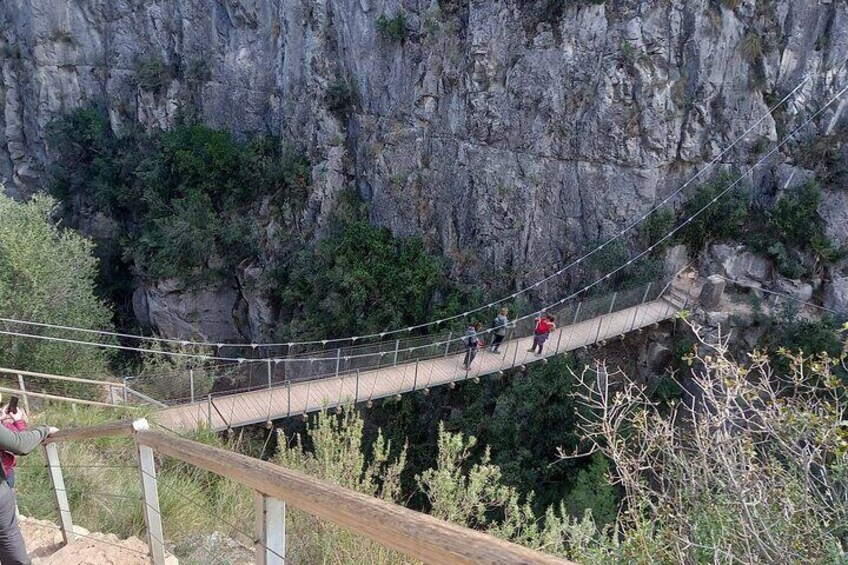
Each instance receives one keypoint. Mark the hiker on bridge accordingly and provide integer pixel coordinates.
(472, 343)
(544, 326)
(499, 326)
(12, 547)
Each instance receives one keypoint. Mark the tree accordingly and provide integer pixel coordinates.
(524, 423)
(47, 275)
(361, 279)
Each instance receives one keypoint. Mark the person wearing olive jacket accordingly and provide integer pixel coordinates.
(12, 548)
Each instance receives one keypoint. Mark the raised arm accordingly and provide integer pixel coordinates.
(21, 443)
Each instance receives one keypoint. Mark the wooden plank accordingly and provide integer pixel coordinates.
(120, 428)
(415, 534)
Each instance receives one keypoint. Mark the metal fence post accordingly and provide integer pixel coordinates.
(612, 303)
(288, 402)
(356, 398)
(270, 373)
(339, 359)
(191, 383)
(447, 343)
(397, 345)
(577, 312)
(209, 409)
(270, 530)
(57, 481)
(150, 496)
(647, 290)
(415, 379)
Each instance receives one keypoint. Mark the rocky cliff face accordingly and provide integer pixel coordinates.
(505, 132)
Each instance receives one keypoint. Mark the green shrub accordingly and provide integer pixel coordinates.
(47, 275)
(393, 28)
(787, 265)
(827, 155)
(153, 74)
(795, 220)
(360, 279)
(9, 52)
(592, 490)
(752, 47)
(722, 220)
(339, 98)
(198, 71)
(655, 227)
(181, 196)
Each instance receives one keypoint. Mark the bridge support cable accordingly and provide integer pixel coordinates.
(408, 330)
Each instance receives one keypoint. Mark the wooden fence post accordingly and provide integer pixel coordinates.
(150, 496)
(57, 481)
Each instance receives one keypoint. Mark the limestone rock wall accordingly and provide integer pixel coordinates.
(506, 135)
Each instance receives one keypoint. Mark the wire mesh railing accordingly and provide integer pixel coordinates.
(211, 382)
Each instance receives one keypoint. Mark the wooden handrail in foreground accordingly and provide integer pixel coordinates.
(119, 428)
(413, 533)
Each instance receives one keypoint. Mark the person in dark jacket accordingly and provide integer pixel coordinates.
(471, 344)
(12, 547)
(499, 329)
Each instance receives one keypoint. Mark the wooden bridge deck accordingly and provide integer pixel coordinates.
(296, 398)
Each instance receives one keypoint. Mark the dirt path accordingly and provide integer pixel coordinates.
(44, 543)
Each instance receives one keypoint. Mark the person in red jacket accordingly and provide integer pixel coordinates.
(14, 420)
(544, 326)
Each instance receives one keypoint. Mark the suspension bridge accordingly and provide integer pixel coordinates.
(432, 365)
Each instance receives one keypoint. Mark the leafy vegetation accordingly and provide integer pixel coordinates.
(781, 434)
(361, 279)
(655, 227)
(339, 98)
(722, 220)
(795, 220)
(47, 275)
(182, 196)
(514, 421)
(827, 155)
(153, 74)
(613, 256)
(394, 27)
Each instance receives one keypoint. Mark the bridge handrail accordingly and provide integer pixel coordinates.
(412, 533)
(338, 362)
